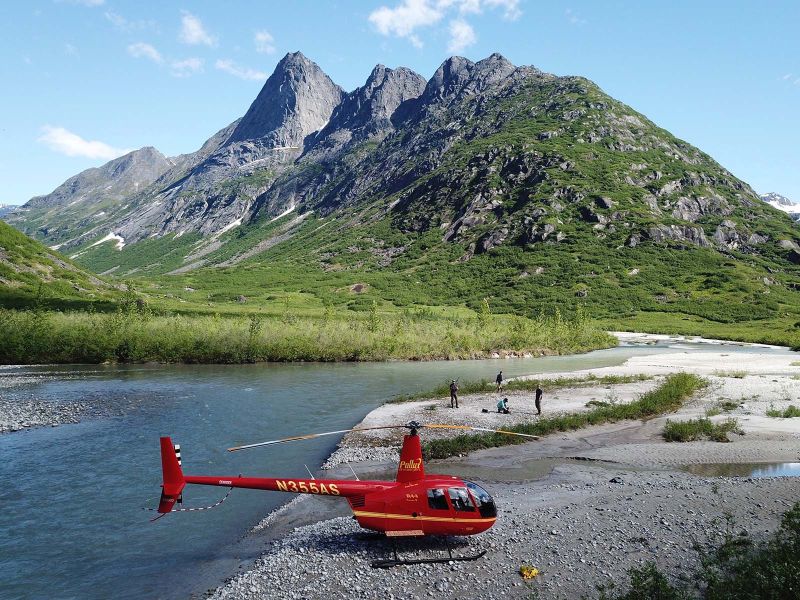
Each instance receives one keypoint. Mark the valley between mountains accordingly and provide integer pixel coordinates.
(489, 189)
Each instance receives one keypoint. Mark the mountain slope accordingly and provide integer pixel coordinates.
(6, 209)
(488, 180)
(30, 271)
(92, 198)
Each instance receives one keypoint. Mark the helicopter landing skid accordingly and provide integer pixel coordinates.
(397, 561)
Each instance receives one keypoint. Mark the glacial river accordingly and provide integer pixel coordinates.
(71, 497)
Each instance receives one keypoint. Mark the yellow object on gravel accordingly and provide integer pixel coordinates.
(528, 572)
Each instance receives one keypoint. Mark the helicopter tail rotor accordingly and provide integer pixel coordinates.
(174, 481)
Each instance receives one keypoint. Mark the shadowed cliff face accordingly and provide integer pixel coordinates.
(486, 154)
(297, 100)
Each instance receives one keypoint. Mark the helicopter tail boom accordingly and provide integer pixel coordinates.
(173, 480)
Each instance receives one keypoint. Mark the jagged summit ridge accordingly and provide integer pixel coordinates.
(296, 100)
(482, 155)
(367, 110)
(458, 76)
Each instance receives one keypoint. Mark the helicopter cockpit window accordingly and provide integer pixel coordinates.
(460, 499)
(485, 503)
(436, 499)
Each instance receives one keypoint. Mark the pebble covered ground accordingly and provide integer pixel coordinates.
(582, 527)
(24, 413)
(582, 523)
(21, 409)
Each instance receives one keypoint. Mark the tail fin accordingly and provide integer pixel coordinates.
(410, 467)
(173, 476)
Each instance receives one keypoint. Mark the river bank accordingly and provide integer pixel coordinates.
(583, 506)
(205, 408)
(134, 335)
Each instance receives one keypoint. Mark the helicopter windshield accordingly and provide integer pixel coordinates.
(485, 502)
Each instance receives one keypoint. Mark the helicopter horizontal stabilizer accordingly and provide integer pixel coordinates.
(174, 481)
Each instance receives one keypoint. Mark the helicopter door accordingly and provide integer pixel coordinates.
(437, 499)
(461, 500)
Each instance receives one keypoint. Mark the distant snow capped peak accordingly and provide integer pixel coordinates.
(773, 197)
(782, 203)
(6, 209)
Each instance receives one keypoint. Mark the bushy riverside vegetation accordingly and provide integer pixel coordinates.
(738, 569)
(789, 412)
(667, 397)
(135, 334)
(513, 385)
(700, 429)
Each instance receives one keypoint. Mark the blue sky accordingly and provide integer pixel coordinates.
(84, 80)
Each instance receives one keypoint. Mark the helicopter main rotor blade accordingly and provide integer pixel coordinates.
(471, 428)
(308, 437)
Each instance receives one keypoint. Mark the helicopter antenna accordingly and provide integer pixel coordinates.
(353, 472)
(309, 472)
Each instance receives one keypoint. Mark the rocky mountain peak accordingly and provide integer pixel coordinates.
(373, 104)
(458, 76)
(449, 78)
(296, 100)
(783, 204)
(776, 198)
(115, 179)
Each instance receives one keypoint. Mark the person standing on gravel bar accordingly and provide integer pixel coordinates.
(453, 394)
(538, 399)
(502, 406)
(499, 381)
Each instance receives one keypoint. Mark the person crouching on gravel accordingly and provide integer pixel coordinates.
(502, 406)
(453, 394)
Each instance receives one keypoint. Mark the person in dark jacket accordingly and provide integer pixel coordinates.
(538, 399)
(453, 394)
(499, 381)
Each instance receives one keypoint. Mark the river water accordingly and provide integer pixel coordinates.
(71, 497)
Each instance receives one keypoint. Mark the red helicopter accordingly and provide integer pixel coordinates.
(415, 504)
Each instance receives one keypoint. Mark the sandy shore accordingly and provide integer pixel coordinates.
(583, 507)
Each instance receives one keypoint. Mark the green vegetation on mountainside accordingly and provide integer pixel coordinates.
(580, 146)
(32, 274)
(541, 196)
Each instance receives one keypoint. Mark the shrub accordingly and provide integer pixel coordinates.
(787, 413)
(700, 429)
(737, 569)
(667, 397)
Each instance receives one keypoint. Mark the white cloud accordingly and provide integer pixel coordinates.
(239, 71)
(462, 35)
(123, 24)
(70, 49)
(186, 67)
(407, 17)
(142, 50)
(194, 33)
(512, 10)
(265, 43)
(64, 141)
(787, 76)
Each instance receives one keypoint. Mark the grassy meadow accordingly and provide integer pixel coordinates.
(135, 333)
